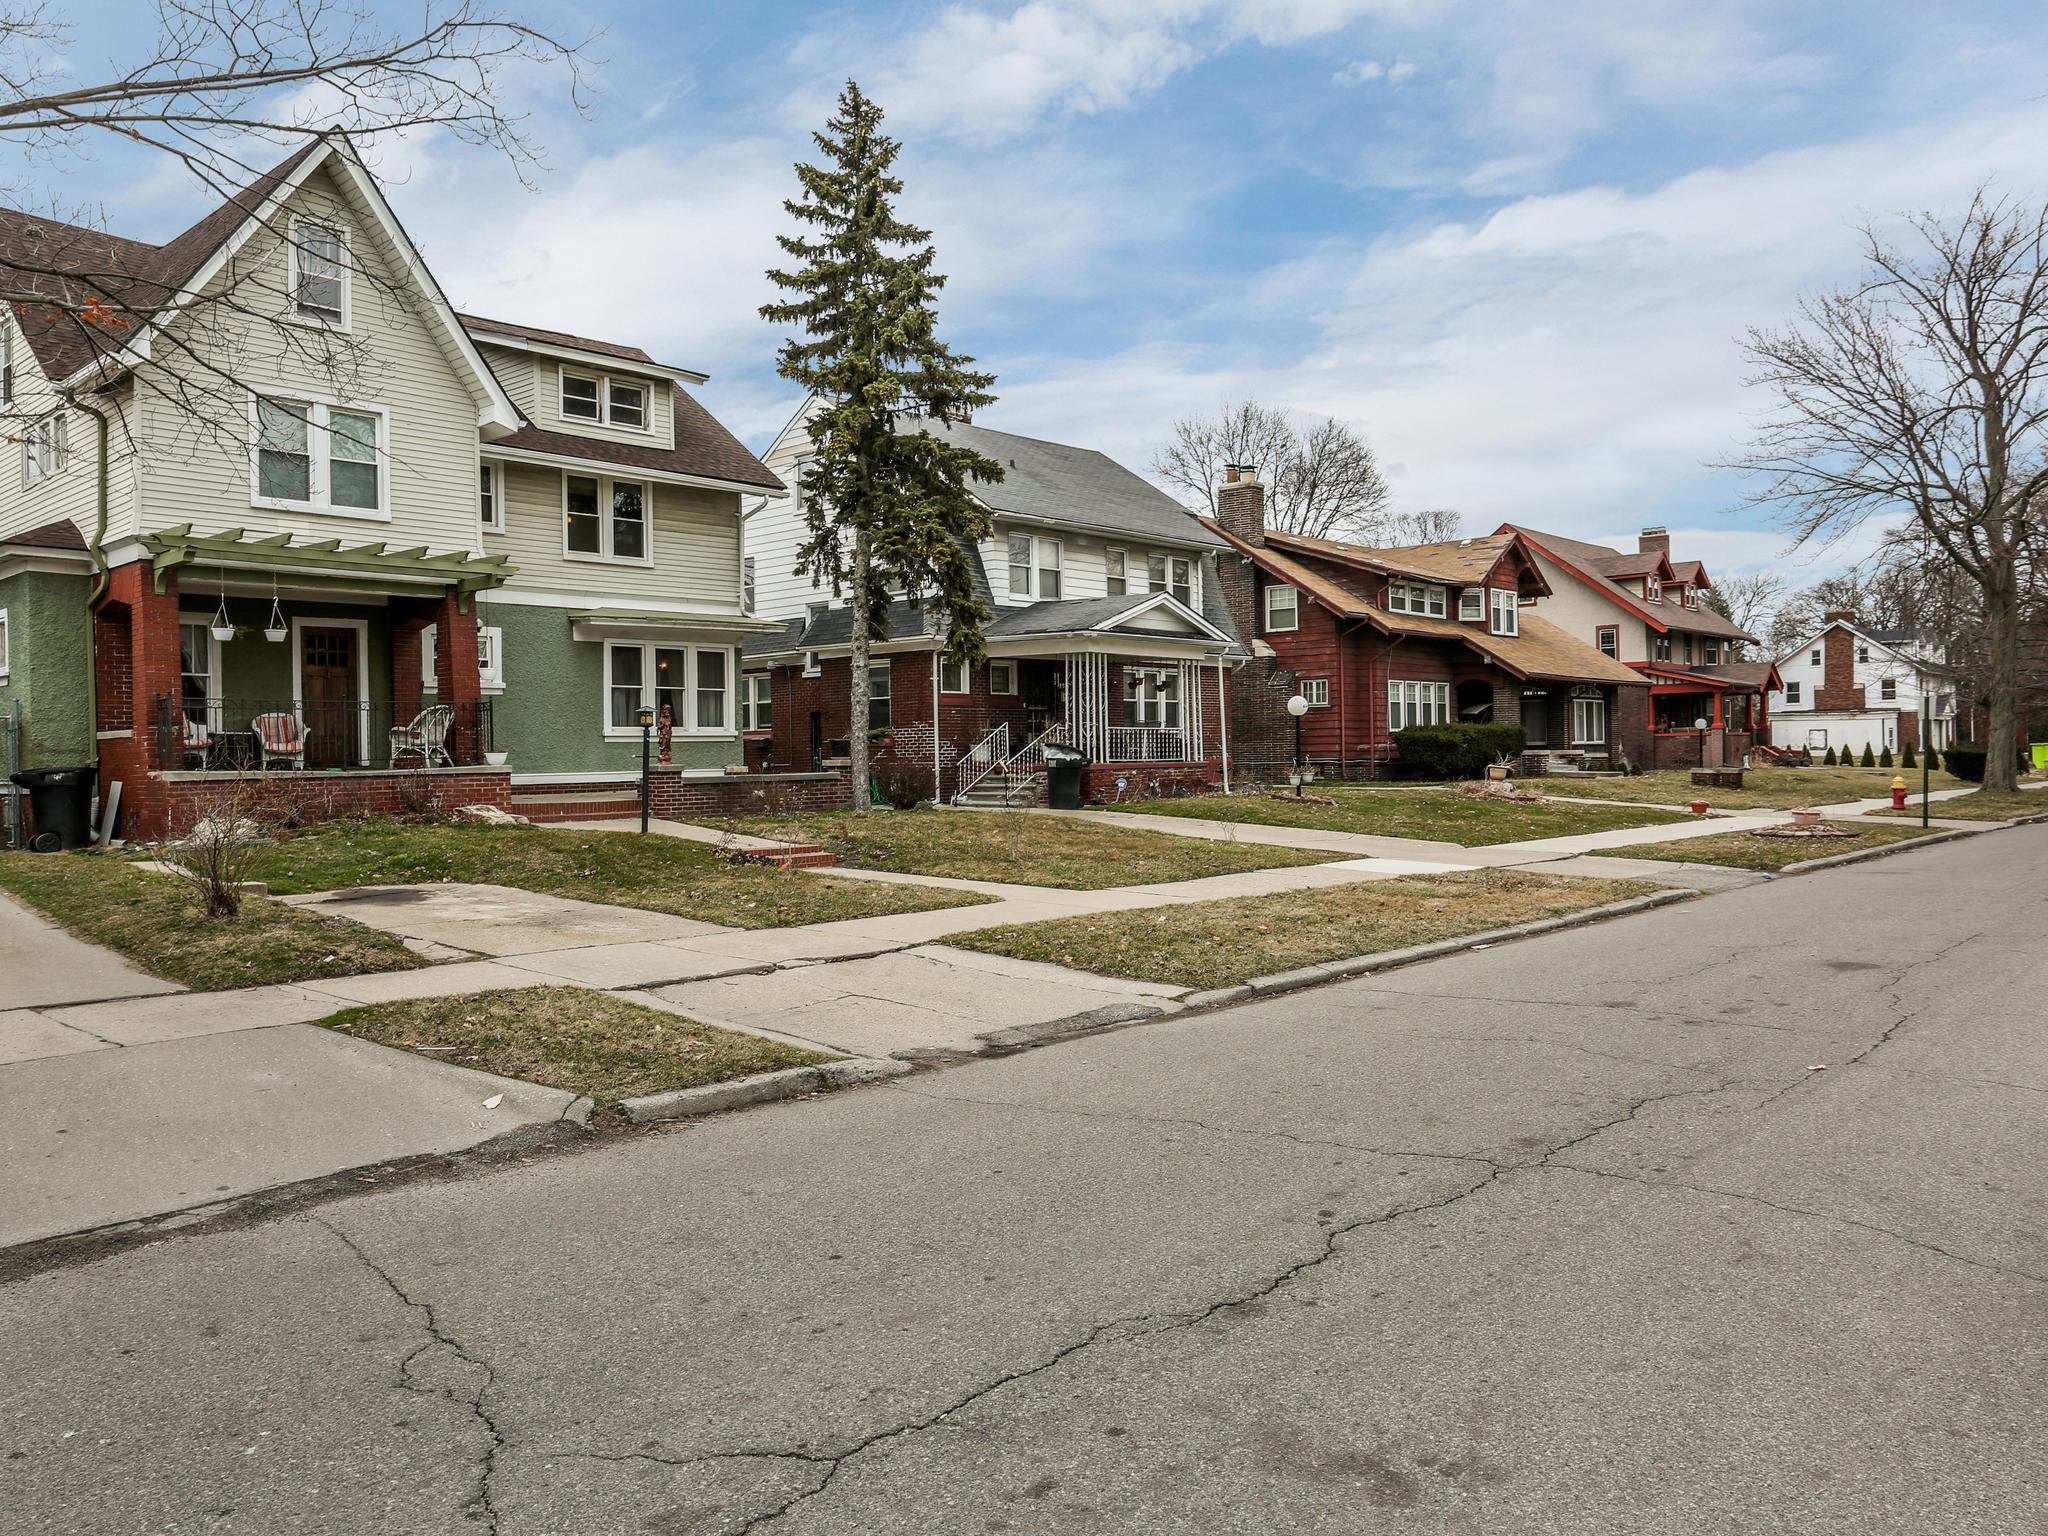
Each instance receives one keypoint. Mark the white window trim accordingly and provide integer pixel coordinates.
(497, 469)
(6, 649)
(1653, 590)
(1009, 671)
(1589, 741)
(686, 727)
(1792, 692)
(604, 383)
(748, 590)
(1039, 567)
(1506, 610)
(1317, 691)
(490, 661)
(751, 684)
(296, 316)
(1421, 598)
(59, 448)
(1407, 697)
(1472, 605)
(319, 451)
(1608, 629)
(1123, 576)
(814, 665)
(603, 555)
(1293, 607)
(966, 672)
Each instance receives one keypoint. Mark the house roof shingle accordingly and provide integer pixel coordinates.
(1459, 562)
(1602, 564)
(481, 328)
(62, 534)
(703, 448)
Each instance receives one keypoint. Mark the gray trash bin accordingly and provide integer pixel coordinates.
(60, 803)
(1063, 767)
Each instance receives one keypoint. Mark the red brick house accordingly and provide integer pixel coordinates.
(1377, 640)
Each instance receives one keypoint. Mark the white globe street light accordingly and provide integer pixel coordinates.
(1297, 707)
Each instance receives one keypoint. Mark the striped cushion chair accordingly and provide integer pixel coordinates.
(280, 737)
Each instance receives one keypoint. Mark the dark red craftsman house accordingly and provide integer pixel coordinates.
(1377, 640)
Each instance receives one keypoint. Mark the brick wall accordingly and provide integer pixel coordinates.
(1149, 781)
(1629, 725)
(178, 799)
(1839, 688)
(136, 660)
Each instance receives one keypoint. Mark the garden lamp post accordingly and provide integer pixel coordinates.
(1926, 753)
(1297, 707)
(1699, 723)
(646, 745)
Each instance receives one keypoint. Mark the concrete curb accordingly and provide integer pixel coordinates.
(1022, 1038)
(762, 1088)
(1833, 861)
(1359, 965)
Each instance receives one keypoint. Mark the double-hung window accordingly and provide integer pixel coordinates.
(1814, 659)
(1116, 572)
(881, 714)
(1888, 689)
(757, 708)
(1589, 722)
(315, 456)
(1506, 611)
(199, 671)
(604, 519)
(42, 449)
(1034, 567)
(1002, 677)
(747, 584)
(1472, 605)
(1152, 698)
(1181, 574)
(1155, 573)
(1048, 568)
(691, 682)
(1660, 648)
(490, 656)
(1414, 597)
(1417, 704)
(625, 404)
(1020, 565)
(490, 494)
(6, 364)
(1609, 638)
(604, 401)
(320, 273)
(1713, 656)
(1653, 589)
(1791, 693)
(1282, 610)
(953, 676)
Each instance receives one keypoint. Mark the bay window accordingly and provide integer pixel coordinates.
(315, 456)
(1417, 704)
(604, 519)
(691, 682)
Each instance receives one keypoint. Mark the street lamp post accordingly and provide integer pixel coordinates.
(1297, 707)
(646, 747)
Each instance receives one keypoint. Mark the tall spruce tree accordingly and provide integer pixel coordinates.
(886, 510)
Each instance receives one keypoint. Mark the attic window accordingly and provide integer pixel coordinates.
(1653, 589)
(1472, 604)
(1413, 597)
(319, 272)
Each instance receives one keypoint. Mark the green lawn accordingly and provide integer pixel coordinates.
(659, 874)
(1220, 943)
(1740, 850)
(1985, 805)
(571, 1038)
(1018, 847)
(1439, 815)
(158, 922)
(1773, 788)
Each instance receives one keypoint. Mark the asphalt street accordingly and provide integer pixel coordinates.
(1727, 1217)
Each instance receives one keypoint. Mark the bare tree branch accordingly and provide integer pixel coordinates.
(1323, 482)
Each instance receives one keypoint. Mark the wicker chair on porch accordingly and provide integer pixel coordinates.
(280, 737)
(197, 742)
(426, 738)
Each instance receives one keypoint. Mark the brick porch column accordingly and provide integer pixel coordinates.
(136, 662)
(456, 674)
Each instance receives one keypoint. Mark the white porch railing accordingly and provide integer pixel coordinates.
(1148, 744)
(1014, 770)
(982, 759)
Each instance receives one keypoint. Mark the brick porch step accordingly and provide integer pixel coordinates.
(575, 807)
(804, 856)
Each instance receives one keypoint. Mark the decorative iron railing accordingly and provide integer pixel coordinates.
(982, 759)
(1148, 744)
(1016, 770)
(265, 734)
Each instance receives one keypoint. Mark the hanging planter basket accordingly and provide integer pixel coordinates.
(223, 632)
(275, 631)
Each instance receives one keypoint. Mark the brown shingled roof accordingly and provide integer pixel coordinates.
(703, 448)
(62, 534)
(477, 324)
(1460, 561)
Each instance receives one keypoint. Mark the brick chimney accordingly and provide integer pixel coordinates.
(1241, 503)
(1654, 541)
(1839, 616)
(1839, 688)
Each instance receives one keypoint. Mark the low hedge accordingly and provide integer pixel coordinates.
(1456, 751)
(1965, 763)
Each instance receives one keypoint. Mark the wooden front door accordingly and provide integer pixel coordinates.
(327, 694)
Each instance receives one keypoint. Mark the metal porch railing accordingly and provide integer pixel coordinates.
(257, 734)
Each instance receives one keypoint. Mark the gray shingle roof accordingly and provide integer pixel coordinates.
(1071, 485)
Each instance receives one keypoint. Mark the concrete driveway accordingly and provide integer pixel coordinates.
(1565, 1237)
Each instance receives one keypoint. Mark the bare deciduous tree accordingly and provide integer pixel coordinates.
(1323, 482)
(1433, 525)
(1749, 600)
(1924, 389)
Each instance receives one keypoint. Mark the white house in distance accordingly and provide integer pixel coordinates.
(1850, 687)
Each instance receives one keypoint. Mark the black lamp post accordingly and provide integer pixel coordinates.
(1297, 707)
(646, 748)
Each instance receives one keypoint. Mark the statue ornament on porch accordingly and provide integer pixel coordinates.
(665, 731)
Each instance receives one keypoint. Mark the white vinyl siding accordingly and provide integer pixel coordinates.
(559, 387)
(695, 535)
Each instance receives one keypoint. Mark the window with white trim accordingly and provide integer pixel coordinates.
(1608, 637)
(490, 496)
(1116, 572)
(320, 273)
(1814, 659)
(198, 670)
(1653, 589)
(953, 676)
(1791, 693)
(605, 519)
(1589, 722)
(1472, 605)
(1282, 610)
(1507, 617)
(1002, 677)
(3, 646)
(490, 656)
(6, 364)
(1888, 688)
(316, 456)
(1317, 691)
(1155, 573)
(1181, 580)
(42, 449)
(1048, 568)
(1415, 597)
(692, 682)
(605, 401)
(881, 699)
(757, 702)
(1863, 653)
(1417, 704)
(1152, 697)
(1713, 652)
(747, 584)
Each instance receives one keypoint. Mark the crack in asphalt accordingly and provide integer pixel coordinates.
(481, 1502)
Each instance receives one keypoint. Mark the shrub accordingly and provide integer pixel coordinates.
(1829, 760)
(1869, 759)
(1884, 758)
(1456, 751)
(1965, 763)
(1906, 758)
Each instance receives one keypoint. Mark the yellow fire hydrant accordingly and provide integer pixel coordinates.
(1899, 793)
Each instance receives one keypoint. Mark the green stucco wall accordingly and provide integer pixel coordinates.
(260, 670)
(551, 715)
(50, 636)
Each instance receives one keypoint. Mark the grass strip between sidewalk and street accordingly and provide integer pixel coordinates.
(1741, 850)
(1436, 815)
(1210, 944)
(158, 921)
(1019, 848)
(1984, 805)
(570, 1038)
(655, 874)
(1776, 789)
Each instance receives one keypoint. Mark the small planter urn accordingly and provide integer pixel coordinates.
(1497, 771)
(497, 759)
(1805, 818)
(1699, 807)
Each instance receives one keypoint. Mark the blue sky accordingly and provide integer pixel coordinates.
(1513, 243)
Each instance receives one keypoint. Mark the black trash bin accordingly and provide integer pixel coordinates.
(60, 802)
(1063, 767)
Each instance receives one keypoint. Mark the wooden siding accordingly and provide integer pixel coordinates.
(515, 372)
(73, 491)
(696, 544)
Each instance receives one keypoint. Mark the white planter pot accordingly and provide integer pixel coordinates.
(497, 759)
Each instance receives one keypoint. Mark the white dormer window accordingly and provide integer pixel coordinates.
(1653, 589)
(1414, 597)
(320, 269)
(1507, 618)
(604, 401)
(580, 401)
(1472, 604)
